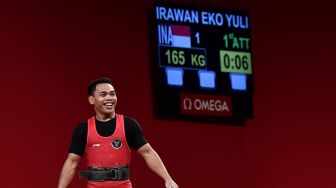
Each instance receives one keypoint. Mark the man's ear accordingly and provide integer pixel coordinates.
(91, 100)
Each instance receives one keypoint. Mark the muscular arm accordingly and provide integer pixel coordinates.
(155, 163)
(68, 170)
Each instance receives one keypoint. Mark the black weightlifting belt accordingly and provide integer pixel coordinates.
(120, 173)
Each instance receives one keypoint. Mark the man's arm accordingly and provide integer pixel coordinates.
(155, 163)
(68, 170)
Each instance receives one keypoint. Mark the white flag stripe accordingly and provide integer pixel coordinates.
(181, 41)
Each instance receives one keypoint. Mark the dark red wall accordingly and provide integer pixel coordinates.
(50, 50)
(291, 143)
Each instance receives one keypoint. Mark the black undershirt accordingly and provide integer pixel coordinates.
(134, 136)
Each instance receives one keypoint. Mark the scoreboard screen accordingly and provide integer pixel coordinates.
(201, 64)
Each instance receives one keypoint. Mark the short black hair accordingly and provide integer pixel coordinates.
(94, 83)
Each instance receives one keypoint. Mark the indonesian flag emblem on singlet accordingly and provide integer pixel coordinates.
(116, 143)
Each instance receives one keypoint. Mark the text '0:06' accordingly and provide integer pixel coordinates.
(239, 62)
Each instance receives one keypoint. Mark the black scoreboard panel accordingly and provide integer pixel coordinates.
(201, 64)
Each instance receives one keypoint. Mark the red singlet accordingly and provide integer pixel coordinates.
(108, 152)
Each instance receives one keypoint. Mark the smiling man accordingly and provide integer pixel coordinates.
(107, 139)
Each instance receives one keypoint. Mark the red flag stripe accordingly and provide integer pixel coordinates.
(180, 30)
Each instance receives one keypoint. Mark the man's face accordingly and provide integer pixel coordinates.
(104, 99)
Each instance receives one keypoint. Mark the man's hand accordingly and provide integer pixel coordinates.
(171, 184)
(154, 163)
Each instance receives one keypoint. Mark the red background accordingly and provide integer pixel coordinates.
(49, 50)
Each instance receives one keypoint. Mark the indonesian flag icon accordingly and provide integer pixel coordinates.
(181, 36)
